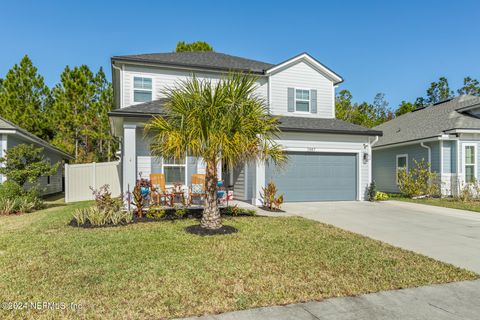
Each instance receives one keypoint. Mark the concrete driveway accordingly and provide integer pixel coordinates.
(449, 235)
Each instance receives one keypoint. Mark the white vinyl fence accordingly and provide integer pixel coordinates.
(80, 177)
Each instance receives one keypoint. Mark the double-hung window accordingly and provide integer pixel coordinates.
(142, 89)
(470, 162)
(174, 170)
(402, 165)
(302, 100)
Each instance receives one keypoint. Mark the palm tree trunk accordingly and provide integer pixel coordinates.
(211, 214)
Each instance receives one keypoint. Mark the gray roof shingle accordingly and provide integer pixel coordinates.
(7, 125)
(321, 125)
(429, 122)
(207, 60)
(295, 124)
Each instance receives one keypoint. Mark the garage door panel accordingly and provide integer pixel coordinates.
(316, 177)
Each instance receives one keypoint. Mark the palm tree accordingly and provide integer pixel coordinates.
(223, 121)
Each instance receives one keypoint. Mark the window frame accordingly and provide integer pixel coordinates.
(302, 100)
(403, 155)
(141, 89)
(172, 166)
(464, 161)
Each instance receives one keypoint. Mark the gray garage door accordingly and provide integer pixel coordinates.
(316, 177)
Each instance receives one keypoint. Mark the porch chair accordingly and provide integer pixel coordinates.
(197, 188)
(159, 191)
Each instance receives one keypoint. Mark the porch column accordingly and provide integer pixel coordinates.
(259, 182)
(3, 149)
(129, 157)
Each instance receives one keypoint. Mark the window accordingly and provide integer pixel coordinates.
(402, 164)
(142, 89)
(48, 180)
(302, 100)
(470, 163)
(174, 170)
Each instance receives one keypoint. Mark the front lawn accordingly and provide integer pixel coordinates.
(446, 202)
(155, 270)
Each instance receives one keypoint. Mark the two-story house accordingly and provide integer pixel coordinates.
(329, 159)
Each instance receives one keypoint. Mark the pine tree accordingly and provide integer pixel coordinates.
(82, 102)
(24, 97)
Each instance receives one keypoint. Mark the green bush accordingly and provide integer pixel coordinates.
(381, 196)
(180, 212)
(372, 191)
(153, 213)
(10, 190)
(418, 181)
(14, 199)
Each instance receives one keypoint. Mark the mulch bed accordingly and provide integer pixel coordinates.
(194, 213)
(199, 230)
(271, 210)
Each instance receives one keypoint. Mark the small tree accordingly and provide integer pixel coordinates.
(419, 181)
(222, 121)
(26, 163)
(372, 191)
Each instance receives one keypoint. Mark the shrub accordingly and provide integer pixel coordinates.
(8, 206)
(419, 181)
(104, 199)
(156, 213)
(10, 190)
(180, 211)
(381, 196)
(98, 217)
(270, 198)
(372, 191)
(469, 191)
(14, 199)
(237, 211)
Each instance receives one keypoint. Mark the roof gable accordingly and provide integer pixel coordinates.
(315, 64)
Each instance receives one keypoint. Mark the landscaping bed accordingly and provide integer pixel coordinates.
(167, 214)
(157, 270)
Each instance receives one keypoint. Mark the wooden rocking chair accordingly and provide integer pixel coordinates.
(194, 191)
(160, 195)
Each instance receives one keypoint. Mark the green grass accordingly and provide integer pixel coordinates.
(446, 202)
(156, 270)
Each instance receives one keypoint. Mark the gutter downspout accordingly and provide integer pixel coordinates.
(429, 156)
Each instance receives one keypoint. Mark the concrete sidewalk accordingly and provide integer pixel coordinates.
(460, 300)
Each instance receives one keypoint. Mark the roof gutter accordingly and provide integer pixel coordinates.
(352, 132)
(415, 141)
(184, 66)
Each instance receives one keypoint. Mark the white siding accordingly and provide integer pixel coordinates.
(163, 78)
(301, 75)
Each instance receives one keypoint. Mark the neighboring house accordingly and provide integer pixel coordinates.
(329, 159)
(12, 135)
(446, 134)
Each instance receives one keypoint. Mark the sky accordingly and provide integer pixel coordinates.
(394, 47)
